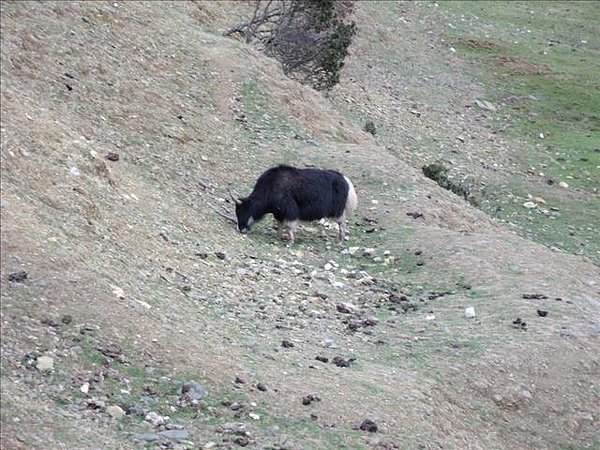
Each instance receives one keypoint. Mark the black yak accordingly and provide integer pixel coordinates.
(294, 195)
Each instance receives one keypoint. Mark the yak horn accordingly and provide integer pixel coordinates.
(236, 200)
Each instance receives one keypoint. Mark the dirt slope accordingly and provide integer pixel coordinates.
(123, 125)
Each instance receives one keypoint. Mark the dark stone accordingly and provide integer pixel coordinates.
(67, 319)
(368, 425)
(17, 277)
(341, 362)
(111, 156)
(535, 296)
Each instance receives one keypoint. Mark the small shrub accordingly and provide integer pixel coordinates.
(370, 127)
(440, 174)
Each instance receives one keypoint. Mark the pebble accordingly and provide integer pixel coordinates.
(368, 425)
(530, 205)
(484, 104)
(469, 312)
(175, 434)
(18, 277)
(369, 252)
(562, 184)
(346, 308)
(231, 428)
(539, 200)
(44, 363)
(115, 412)
(193, 391)
(156, 419)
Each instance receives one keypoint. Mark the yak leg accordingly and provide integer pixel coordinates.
(280, 227)
(342, 226)
(291, 230)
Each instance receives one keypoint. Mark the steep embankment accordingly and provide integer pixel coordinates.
(123, 125)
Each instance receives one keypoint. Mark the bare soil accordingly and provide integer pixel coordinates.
(123, 126)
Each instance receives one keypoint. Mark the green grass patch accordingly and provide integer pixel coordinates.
(540, 62)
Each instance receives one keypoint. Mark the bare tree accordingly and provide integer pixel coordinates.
(310, 38)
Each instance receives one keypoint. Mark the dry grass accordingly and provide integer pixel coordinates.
(130, 248)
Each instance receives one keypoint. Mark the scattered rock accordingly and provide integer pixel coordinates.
(323, 359)
(85, 387)
(156, 419)
(345, 308)
(242, 441)
(566, 333)
(562, 184)
(368, 425)
(539, 200)
(518, 323)
(111, 156)
(308, 399)
(513, 398)
(116, 412)
(17, 277)
(415, 214)
(67, 319)
(232, 428)
(192, 391)
(44, 363)
(529, 205)
(287, 344)
(369, 253)
(261, 387)
(542, 312)
(484, 104)
(50, 323)
(535, 296)
(95, 403)
(470, 312)
(112, 351)
(175, 434)
(341, 362)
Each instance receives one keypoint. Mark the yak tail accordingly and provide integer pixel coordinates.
(351, 199)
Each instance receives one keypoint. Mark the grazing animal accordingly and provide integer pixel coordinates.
(293, 195)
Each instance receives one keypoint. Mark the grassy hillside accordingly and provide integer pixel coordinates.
(134, 315)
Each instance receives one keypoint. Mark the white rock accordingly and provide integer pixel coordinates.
(529, 205)
(156, 419)
(85, 387)
(115, 412)
(45, 363)
(469, 312)
(369, 253)
(562, 184)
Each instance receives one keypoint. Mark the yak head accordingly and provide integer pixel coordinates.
(243, 213)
